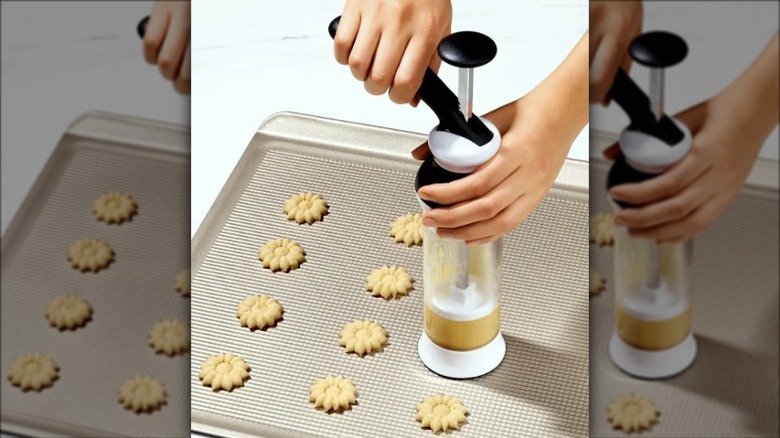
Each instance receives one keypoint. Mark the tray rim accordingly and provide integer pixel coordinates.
(122, 131)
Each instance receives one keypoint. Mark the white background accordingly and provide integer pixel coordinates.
(61, 59)
(250, 62)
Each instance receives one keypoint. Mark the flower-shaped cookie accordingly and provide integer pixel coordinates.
(441, 412)
(182, 284)
(142, 394)
(363, 337)
(281, 255)
(602, 229)
(114, 208)
(389, 282)
(597, 282)
(68, 312)
(224, 371)
(407, 229)
(333, 393)
(305, 207)
(259, 311)
(90, 255)
(33, 371)
(632, 413)
(170, 337)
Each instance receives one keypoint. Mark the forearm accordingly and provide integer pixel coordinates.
(754, 95)
(563, 95)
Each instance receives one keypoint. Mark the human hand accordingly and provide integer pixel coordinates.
(537, 132)
(167, 42)
(614, 25)
(728, 132)
(388, 44)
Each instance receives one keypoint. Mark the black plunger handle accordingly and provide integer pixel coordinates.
(444, 104)
(656, 50)
(141, 28)
(467, 49)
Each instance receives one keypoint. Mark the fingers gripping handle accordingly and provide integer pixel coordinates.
(444, 104)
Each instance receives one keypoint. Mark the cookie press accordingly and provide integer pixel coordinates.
(462, 284)
(653, 337)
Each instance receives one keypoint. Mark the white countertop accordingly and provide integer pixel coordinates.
(59, 60)
(248, 65)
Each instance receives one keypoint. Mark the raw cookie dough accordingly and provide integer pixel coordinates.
(363, 337)
(305, 207)
(224, 371)
(407, 229)
(281, 255)
(602, 229)
(632, 413)
(597, 282)
(333, 393)
(259, 311)
(142, 394)
(183, 281)
(441, 412)
(90, 255)
(389, 282)
(114, 208)
(68, 312)
(33, 371)
(170, 337)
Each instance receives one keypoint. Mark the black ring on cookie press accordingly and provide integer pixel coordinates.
(430, 172)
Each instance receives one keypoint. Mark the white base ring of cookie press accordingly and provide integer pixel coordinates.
(461, 364)
(652, 365)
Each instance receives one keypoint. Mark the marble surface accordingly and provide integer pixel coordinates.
(723, 39)
(250, 61)
(59, 60)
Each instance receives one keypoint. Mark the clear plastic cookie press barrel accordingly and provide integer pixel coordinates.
(462, 292)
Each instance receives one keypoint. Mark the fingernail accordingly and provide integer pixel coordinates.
(428, 222)
(423, 195)
(619, 221)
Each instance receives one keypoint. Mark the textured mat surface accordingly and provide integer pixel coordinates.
(366, 175)
(128, 298)
(731, 390)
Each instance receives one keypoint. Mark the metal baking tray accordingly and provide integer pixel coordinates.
(99, 152)
(731, 390)
(366, 174)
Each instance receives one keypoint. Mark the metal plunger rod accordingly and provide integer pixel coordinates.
(465, 98)
(465, 91)
(654, 267)
(657, 107)
(462, 280)
(657, 92)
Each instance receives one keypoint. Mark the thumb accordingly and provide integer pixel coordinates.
(612, 152)
(421, 152)
(694, 116)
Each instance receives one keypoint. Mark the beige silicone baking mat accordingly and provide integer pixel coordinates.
(731, 390)
(367, 175)
(98, 153)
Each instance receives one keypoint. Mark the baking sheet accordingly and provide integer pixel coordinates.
(99, 152)
(366, 174)
(731, 390)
